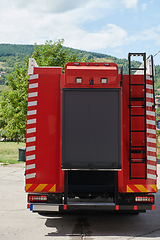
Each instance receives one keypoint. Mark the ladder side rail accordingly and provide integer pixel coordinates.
(144, 160)
(152, 62)
(144, 60)
(130, 72)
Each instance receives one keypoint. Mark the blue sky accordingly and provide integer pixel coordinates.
(113, 27)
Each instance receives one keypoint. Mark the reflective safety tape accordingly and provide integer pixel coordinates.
(129, 189)
(151, 176)
(31, 139)
(32, 148)
(154, 187)
(152, 140)
(31, 175)
(28, 186)
(150, 113)
(31, 121)
(31, 130)
(149, 78)
(30, 166)
(33, 103)
(149, 95)
(33, 85)
(152, 167)
(148, 86)
(151, 122)
(40, 187)
(32, 77)
(33, 94)
(141, 188)
(151, 158)
(33, 112)
(151, 149)
(31, 157)
(149, 104)
(152, 131)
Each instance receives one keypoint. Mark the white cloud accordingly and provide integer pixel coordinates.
(144, 6)
(36, 21)
(110, 36)
(85, 24)
(130, 3)
(152, 35)
(56, 6)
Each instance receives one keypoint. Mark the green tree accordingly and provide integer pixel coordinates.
(14, 105)
(54, 54)
(13, 108)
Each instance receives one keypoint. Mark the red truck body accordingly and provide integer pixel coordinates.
(91, 134)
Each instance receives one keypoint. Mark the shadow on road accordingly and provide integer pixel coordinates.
(95, 223)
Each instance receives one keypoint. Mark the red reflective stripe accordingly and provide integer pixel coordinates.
(28, 205)
(153, 207)
(65, 207)
(135, 207)
(117, 207)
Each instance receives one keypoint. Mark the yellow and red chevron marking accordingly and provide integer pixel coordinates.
(141, 188)
(40, 188)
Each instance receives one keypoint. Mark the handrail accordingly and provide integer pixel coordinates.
(121, 83)
(153, 106)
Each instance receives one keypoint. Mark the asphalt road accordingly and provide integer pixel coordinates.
(18, 223)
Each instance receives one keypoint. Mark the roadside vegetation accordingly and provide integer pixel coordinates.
(14, 85)
(13, 105)
(9, 152)
(2, 89)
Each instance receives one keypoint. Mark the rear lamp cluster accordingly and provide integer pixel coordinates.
(146, 199)
(37, 198)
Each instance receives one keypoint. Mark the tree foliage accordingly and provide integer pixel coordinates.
(14, 105)
(54, 54)
(14, 101)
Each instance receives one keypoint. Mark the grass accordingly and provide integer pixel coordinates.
(9, 153)
(158, 153)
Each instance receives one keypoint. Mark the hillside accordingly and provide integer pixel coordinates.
(16, 53)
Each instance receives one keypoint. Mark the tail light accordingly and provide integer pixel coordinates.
(144, 199)
(37, 198)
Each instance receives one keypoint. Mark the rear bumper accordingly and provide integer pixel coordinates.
(106, 207)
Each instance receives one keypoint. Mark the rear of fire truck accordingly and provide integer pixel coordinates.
(91, 137)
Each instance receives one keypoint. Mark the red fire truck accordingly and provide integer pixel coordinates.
(91, 137)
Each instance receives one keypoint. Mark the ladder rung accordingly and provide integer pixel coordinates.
(136, 159)
(137, 151)
(137, 115)
(136, 106)
(137, 54)
(138, 178)
(137, 146)
(137, 162)
(133, 69)
(137, 130)
(137, 99)
(136, 84)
